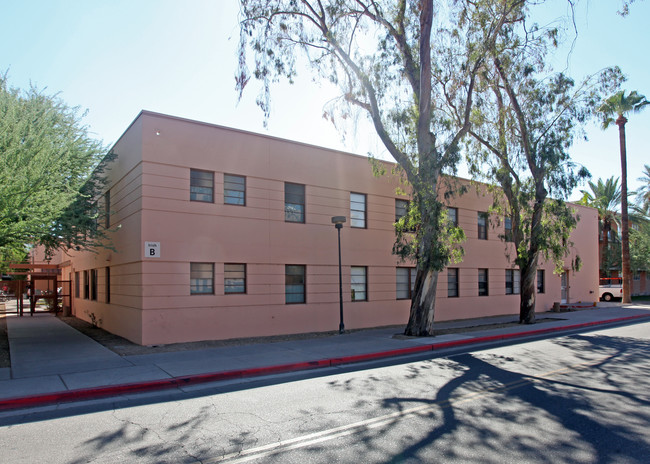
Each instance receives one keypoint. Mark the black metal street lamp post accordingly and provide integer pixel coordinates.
(338, 223)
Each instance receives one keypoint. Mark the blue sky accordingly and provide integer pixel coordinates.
(117, 57)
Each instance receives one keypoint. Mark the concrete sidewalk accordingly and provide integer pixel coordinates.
(51, 362)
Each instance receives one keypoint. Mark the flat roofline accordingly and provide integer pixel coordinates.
(241, 131)
(279, 139)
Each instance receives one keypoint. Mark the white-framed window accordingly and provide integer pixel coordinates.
(201, 278)
(513, 282)
(234, 278)
(405, 282)
(358, 210)
(359, 283)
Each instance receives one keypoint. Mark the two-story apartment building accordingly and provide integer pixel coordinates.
(221, 233)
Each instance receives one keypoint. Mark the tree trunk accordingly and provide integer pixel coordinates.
(528, 292)
(423, 304)
(625, 233)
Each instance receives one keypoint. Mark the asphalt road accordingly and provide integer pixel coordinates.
(577, 399)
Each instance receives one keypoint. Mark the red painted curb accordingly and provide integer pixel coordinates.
(379, 355)
(102, 392)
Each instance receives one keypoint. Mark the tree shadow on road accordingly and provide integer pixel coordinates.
(599, 413)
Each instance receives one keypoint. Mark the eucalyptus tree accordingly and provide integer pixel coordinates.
(397, 61)
(47, 193)
(524, 121)
(613, 110)
(605, 196)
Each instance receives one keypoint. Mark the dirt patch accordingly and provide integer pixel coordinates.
(124, 347)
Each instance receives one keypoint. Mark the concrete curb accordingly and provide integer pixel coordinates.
(175, 382)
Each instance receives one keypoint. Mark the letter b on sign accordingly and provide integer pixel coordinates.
(152, 249)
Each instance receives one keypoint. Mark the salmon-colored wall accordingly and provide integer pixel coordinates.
(150, 301)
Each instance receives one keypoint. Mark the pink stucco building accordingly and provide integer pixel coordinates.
(222, 233)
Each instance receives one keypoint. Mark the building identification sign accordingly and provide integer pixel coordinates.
(152, 249)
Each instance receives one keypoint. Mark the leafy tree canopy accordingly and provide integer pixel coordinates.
(524, 120)
(411, 66)
(47, 191)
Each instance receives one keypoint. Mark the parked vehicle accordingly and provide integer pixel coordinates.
(610, 288)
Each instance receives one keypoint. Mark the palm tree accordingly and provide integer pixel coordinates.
(643, 194)
(605, 197)
(618, 105)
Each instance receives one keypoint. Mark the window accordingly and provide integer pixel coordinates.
(636, 275)
(401, 208)
(76, 285)
(93, 284)
(482, 225)
(294, 284)
(107, 209)
(507, 226)
(405, 282)
(482, 282)
(86, 285)
(513, 279)
(358, 210)
(540, 281)
(108, 284)
(201, 186)
(201, 278)
(234, 278)
(452, 216)
(452, 282)
(234, 190)
(359, 283)
(294, 202)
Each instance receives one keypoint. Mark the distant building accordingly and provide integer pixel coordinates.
(227, 234)
(610, 263)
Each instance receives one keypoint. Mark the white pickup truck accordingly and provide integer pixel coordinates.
(610, 288)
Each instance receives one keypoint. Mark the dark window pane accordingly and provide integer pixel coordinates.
(452, 215)
(482, 282)
(540, 281)
(401, 208)
(452, 282)
(294, 287)
(234, 278)
(234, 190)
(482, 225)
(201, 185)
(294, 202)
